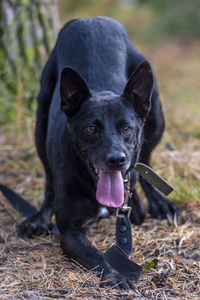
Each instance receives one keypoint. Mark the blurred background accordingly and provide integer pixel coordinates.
(167, 32)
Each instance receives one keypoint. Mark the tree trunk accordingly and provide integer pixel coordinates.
(28, 30)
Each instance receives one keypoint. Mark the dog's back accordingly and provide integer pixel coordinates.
(100, 50)
(96, 48)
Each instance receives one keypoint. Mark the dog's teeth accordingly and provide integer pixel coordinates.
(97, 171)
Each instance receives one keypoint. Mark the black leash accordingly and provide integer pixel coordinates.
(118, 255)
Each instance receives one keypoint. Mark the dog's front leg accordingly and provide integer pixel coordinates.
(72, 214)
(76, 246)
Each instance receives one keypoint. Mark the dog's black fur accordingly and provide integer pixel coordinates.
(109, 120)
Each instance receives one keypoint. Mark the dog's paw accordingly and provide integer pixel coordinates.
(35, 225)
(115, 280)
(164, 208)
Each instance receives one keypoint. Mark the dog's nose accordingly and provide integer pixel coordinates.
(115, 160)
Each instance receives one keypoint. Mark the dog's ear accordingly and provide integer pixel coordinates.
(139, 88)
(73, 91)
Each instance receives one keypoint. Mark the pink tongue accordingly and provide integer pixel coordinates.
(110, 189)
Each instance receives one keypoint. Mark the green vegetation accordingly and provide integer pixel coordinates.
(149, 265)
(24, 45)
(179, 18)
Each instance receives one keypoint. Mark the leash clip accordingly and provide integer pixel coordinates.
(127, 196)
(123, 210)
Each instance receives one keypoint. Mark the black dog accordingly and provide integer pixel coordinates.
(99, 112)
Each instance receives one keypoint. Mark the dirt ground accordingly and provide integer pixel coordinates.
(170, 254)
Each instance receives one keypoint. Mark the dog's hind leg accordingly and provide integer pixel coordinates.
(159, 206)
(40, 222)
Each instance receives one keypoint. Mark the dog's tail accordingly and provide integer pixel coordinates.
(21, 205)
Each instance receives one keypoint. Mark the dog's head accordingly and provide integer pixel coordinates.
(107, 128)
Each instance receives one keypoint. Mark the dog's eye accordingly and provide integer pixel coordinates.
(126, 129)
(91, 129)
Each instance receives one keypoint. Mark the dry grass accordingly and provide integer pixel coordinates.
(36, 269)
